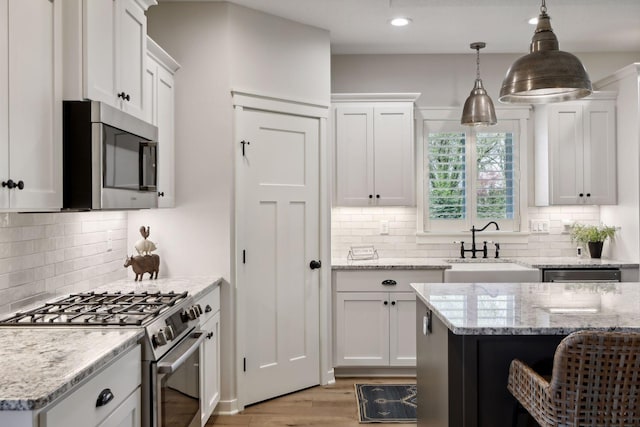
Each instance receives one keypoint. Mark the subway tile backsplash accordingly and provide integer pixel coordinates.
(361, 226)
(49, 254)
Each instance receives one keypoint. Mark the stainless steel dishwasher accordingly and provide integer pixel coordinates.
(581, 275)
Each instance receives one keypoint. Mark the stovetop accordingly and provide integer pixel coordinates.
(95, 308)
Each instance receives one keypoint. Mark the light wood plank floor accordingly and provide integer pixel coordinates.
(333, 405)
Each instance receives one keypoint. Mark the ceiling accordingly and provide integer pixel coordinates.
(449, 26)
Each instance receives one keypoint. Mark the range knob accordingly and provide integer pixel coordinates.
(192, 313)
(158, 339)
(199, 307)
(184, 316)
(168, 332)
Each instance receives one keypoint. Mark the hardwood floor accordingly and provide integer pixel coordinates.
(333, 405)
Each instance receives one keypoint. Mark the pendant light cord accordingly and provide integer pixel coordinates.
(543, 8)
(478, 63)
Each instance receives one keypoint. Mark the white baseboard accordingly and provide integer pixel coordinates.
(227, 407)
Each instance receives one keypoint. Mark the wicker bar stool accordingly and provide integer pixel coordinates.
(595, 382)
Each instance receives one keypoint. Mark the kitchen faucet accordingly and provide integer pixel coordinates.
(473, 249)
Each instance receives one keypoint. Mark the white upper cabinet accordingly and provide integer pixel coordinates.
(30, 105)
(105, 52)
(374, 149)
(575, 152)
(159, 100)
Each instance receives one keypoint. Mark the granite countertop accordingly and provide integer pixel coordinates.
(41, 364)
(445, 263)
(532, 308)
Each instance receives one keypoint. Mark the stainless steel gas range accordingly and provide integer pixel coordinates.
(170, 356)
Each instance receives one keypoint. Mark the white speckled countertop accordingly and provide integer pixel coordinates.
(444, 263)
(39, 364)
(532, 308)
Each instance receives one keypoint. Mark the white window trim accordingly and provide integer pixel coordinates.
(522, 114)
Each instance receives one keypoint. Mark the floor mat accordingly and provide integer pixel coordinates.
(386, 403)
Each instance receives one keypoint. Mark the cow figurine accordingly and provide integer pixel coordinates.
(144, 264)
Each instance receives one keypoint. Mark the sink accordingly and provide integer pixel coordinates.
(475, 272)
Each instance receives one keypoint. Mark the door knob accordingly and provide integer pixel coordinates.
(315, 264)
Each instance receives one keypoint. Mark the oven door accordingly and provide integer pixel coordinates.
(177, 401)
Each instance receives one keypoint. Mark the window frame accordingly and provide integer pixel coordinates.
(449, 118)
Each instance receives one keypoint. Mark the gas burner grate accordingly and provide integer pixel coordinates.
(99, 308)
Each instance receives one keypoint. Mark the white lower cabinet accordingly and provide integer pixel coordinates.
(374, 316)
(117, 387)
(210, 357)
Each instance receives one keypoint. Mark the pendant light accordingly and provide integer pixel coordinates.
(546, 74)
(478, 108)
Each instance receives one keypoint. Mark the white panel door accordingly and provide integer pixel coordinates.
(600, 153)
(393, 155)
(354, 156)
(402, 329)
(362, 328)
(4, 101)
(166, 139)
(279, 237)
(131, 51)
(566, 140)
(35, 122)
(210, 381)
(100, 51)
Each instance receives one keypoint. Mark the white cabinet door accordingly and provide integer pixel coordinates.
(211, 367)
(576, 152)
(34, 105)
(131, 51)
(166, 139)
(374, 153)
(599, 153)
(362, 328)
(354, 156)
(127, 414)
(4, 101)
(402, 329)
(393, 156)
(99, 50)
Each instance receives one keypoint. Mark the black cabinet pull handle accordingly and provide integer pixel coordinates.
(315, 264)
(386, 302)
(209, 335)
(104, 397)
(160, 193)
(389, 282)
(124, 96)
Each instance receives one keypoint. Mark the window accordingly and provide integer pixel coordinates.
(471, 175)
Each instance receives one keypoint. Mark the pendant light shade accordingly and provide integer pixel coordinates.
(546, 74)
(478, 108)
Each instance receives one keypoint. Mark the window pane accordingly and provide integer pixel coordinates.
(495, 175)
(447, 179)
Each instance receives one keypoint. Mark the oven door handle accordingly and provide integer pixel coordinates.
(176, 357)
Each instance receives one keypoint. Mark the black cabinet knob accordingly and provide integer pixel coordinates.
(209, 335)
(377, 196)
(371, 196)
(588, 194)
(581, 194)
(11, 184)
(315, 264)
(124, 96)
(393, 303)
(160, 193)
(207, 309)
(386, 303)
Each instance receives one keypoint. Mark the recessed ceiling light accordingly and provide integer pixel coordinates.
(533, 21)
(400, 22)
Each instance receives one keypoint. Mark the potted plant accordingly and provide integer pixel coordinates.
(593, 236)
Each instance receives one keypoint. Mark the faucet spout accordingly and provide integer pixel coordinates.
(488, 224)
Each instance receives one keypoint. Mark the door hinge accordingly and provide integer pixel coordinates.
(244, 256)
(243, 144)
(244, 364)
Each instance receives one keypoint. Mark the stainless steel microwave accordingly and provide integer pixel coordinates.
(110, 158)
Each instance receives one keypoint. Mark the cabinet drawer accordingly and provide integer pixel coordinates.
(210, 303)
(371, 280)
(122, 378)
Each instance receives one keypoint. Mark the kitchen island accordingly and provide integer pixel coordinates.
(467, 335)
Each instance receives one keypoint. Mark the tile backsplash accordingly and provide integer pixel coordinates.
(361, 226)
(47, 254)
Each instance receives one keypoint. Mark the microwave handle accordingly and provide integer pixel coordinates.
(171, 366)
(143, 145)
